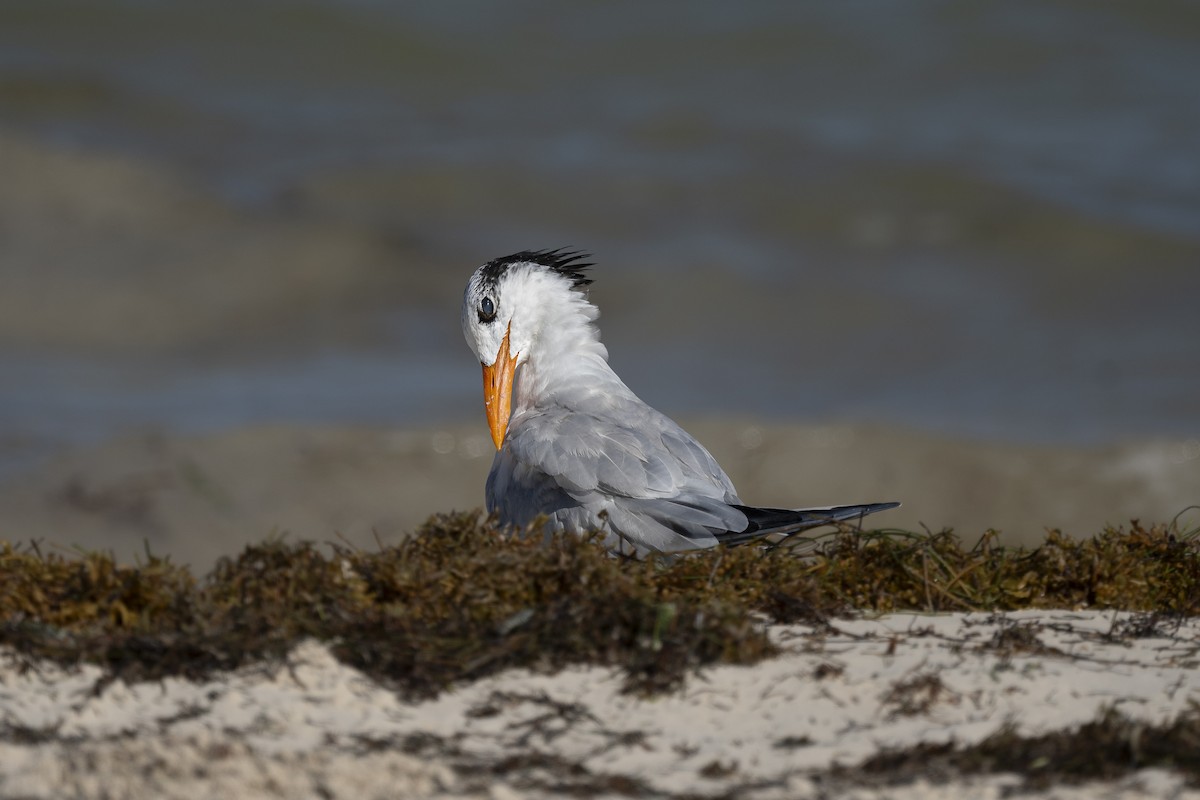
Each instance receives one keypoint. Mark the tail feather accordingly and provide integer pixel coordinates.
(782, 521)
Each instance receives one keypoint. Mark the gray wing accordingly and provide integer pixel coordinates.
(630, 471)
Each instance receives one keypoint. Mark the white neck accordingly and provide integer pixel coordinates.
(566, 363)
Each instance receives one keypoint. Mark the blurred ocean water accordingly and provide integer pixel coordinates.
(979, 218)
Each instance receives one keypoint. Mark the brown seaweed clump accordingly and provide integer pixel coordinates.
(1136, 569)
(1107, 748)
(460, 599)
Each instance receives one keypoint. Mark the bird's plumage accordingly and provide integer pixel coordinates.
(580, 448)
(566, 262)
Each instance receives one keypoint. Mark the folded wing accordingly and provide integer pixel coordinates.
(636, 474)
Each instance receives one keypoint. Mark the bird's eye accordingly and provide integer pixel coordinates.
(487, 310)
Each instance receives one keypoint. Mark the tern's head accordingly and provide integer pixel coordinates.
(508, 304)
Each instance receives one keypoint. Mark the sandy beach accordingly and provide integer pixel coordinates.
(796, 726)
(942, 258)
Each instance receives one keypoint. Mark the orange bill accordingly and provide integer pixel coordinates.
(497, 390)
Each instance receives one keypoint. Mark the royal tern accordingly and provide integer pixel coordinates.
(575, 445)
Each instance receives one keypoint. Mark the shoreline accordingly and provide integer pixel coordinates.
(194, 498)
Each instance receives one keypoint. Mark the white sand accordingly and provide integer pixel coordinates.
(319, 729)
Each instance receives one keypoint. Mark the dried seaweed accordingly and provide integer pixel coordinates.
(460, 599)
(1109, 747)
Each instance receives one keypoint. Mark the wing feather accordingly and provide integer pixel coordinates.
(655, 484)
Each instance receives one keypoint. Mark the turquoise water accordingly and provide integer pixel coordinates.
(1095, 107)
(976, 218)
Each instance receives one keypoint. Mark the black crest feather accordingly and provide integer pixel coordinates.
(566, 262)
